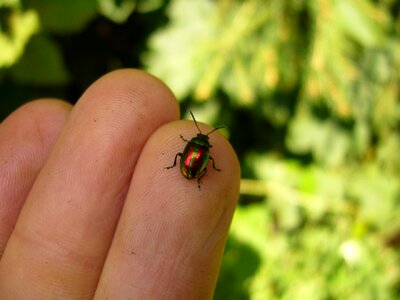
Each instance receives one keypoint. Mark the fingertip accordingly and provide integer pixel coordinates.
(27, 137)
(214, 203)
(168, 222)
(45, 114)
(132, 89)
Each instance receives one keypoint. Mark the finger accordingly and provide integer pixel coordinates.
(26, 138)
(170, 237)
(61, 238)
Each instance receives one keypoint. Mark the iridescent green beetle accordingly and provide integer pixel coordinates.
(195, 156)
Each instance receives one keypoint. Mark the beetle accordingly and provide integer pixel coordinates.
(195, 156)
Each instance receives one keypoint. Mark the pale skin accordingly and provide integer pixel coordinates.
(87, 209)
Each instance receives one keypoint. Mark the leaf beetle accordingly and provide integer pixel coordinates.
(194, 158)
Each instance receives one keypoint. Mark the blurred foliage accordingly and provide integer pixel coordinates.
(318, 82)
(57, 48)
(309, 90)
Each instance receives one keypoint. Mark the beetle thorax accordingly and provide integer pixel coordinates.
(201, 140)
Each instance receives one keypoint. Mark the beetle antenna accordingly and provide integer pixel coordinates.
(195, 121)
(219, 127)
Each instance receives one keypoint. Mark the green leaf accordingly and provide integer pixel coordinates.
(63, 16)
(176, 54)
(41, 64)
(145, 6)
(22, 26)
(9, 3)
(353, 18)
(117, 11)
(376, 193)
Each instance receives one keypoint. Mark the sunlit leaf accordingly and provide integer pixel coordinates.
(9, 3)
(178, 62)
(355, 21)
(22, 26)
(118, 11)
(145, 6)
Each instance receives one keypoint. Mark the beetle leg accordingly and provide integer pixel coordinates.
(185, 140)
(215, 168)
(176, 156)
(200, 177)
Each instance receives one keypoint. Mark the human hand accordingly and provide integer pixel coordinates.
(87, 208)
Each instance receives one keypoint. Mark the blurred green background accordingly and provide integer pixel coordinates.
(309, 90)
